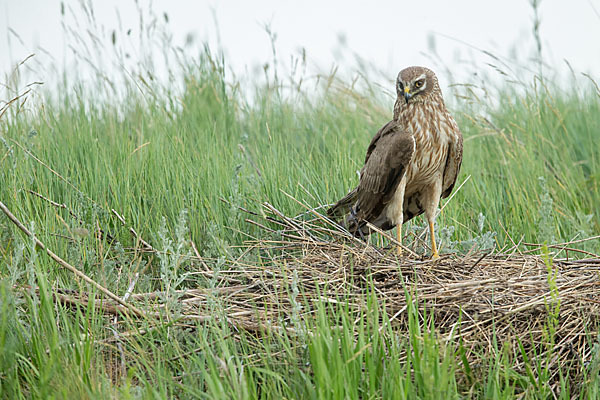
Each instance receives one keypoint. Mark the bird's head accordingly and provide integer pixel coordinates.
(415, 83)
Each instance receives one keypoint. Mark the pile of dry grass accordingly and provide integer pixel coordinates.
(522, 301)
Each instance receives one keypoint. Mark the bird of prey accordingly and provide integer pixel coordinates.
(411, 163)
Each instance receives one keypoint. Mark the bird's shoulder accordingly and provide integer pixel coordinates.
(391, 139)
(387, 160)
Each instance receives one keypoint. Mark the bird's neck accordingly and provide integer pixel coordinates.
(404, 111)
(421, 118)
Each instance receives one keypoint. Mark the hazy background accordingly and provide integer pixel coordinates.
(386, 35)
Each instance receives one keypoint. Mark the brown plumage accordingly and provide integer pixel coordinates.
(411, 163)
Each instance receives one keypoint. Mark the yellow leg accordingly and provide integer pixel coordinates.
(434, 251)
(399, 238)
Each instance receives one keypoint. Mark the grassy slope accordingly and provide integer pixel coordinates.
(147, 163)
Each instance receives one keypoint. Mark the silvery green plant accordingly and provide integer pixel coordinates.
(172, 256)
(15, 268)
(30, 267)
(484, 241)
(545, 222)
(584, 221)
(216, 247)
(444, 235)
(296, 310)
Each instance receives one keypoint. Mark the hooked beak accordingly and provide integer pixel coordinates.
(407, 94)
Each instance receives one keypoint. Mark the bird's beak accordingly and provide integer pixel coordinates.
(407, 94)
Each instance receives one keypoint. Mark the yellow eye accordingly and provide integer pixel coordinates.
(419, 83)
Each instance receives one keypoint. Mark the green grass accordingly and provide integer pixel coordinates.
(534, 167)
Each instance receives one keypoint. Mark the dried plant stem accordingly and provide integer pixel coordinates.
(68, 266)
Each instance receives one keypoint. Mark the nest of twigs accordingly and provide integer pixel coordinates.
(509, 301)
(488, 300)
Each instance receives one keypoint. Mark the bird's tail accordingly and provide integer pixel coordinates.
(343, 206)
(356, 227)
(344, 214)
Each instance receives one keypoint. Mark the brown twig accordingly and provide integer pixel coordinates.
(68, 266)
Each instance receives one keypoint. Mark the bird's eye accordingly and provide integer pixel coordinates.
(419, 83)
(400, 86)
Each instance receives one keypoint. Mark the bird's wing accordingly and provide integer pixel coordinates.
(453, 163)
(387, 155)
(342, 206)
(387, 158)
(386, 129)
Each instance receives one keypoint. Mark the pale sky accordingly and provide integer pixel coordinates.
(387, 34)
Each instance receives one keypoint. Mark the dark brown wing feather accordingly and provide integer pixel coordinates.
(342, 206)
(453, 163)
(387, 156)
(384, 167)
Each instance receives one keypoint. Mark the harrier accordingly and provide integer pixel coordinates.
(411, 163)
